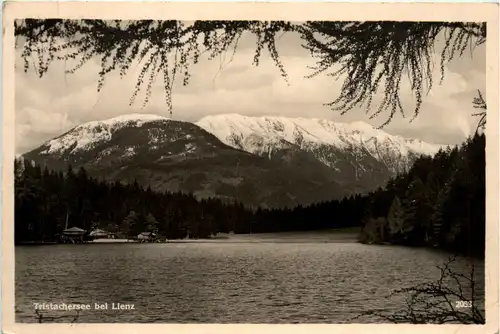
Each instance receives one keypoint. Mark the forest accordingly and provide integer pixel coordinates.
(46, 200)
(439, 202)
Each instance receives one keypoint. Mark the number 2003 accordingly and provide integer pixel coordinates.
(463, 304)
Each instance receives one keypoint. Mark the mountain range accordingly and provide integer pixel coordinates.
(259, 161)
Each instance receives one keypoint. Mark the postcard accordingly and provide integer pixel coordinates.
(215, 167)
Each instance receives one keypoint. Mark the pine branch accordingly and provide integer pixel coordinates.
(367, 56)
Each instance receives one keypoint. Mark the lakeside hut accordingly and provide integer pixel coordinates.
(99, 234)
(74, 235)
(146, 237)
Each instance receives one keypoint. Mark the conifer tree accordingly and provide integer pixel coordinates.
(396, 221)
(151, 223)
(128, 227)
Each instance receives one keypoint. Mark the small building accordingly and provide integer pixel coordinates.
(146, 237)
(74, 235)
(98, 234)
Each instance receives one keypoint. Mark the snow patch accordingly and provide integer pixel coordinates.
(129, 151)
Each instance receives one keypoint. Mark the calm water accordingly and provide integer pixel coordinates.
(250, 279)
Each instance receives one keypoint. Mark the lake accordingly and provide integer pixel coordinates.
(279, 278)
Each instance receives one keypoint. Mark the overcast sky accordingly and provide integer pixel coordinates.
(46, 107)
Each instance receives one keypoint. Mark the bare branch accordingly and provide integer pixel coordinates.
(435, 302)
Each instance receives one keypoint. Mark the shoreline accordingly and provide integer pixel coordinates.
(345, 235)
(325, 236)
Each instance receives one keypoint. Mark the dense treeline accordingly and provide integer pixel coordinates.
(440, 202)
(46, 202)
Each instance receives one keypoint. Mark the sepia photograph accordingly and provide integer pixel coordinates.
(250, 171)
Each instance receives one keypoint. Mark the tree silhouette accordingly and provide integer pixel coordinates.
(151, 223)
(480, 103)
(367, 56)
(396, 220)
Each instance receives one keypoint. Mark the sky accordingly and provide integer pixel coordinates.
(49, 106)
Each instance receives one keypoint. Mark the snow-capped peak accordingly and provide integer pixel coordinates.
(262, 134)
(295, 130)
(86, 135)
(125, 119)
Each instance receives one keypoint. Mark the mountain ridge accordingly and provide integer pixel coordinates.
(169, 155)
(176, 156)
(265, 134)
